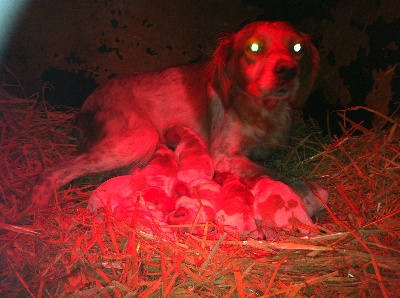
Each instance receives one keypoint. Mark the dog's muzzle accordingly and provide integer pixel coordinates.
(286, 70)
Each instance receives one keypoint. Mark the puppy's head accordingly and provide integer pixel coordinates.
(267, 61)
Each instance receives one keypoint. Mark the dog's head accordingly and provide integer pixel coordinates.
(267, 61)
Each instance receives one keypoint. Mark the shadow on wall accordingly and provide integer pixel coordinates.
(104, 38)
(66, 87)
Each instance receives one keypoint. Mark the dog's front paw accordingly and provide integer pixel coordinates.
(315, 199)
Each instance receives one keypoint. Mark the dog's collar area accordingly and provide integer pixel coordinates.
(281, 92)
(250, 108)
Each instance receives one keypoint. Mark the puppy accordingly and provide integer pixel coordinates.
(194, 160)
(240, 103)
(202, 204)
(236, 207)
(276, 205)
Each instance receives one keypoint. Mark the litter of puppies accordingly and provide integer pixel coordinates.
(157, 189)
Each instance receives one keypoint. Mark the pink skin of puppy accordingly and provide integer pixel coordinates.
(193, 157)
(138, 209)
(276, 205)
(310, 192)
(162, 171)
(206, 194)
(237, 211)
(116, 191)
(143, 214)
(164, 162)
(143, 209)
(159, 176)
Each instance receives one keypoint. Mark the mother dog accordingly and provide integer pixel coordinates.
(240, 103)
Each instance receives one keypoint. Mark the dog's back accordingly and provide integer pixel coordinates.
(176, 95)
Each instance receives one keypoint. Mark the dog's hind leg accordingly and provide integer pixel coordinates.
(133, 147)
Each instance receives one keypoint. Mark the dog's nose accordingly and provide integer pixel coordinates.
(285, 70)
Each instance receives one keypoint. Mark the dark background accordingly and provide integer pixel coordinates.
(64, 49)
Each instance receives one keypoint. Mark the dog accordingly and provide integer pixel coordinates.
(240, 103)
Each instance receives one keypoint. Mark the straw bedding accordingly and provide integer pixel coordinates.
(62, 252)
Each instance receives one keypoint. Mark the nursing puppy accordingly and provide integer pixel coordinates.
(240, 103)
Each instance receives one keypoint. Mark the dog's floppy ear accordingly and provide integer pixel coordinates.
(309, 66)
(221, 69)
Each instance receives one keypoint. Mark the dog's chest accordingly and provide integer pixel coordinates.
(235, 137)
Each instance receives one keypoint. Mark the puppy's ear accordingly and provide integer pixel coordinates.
(309, 66)
(221, 69)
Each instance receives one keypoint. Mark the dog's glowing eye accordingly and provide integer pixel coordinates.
(297, 48)
(255, 47)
